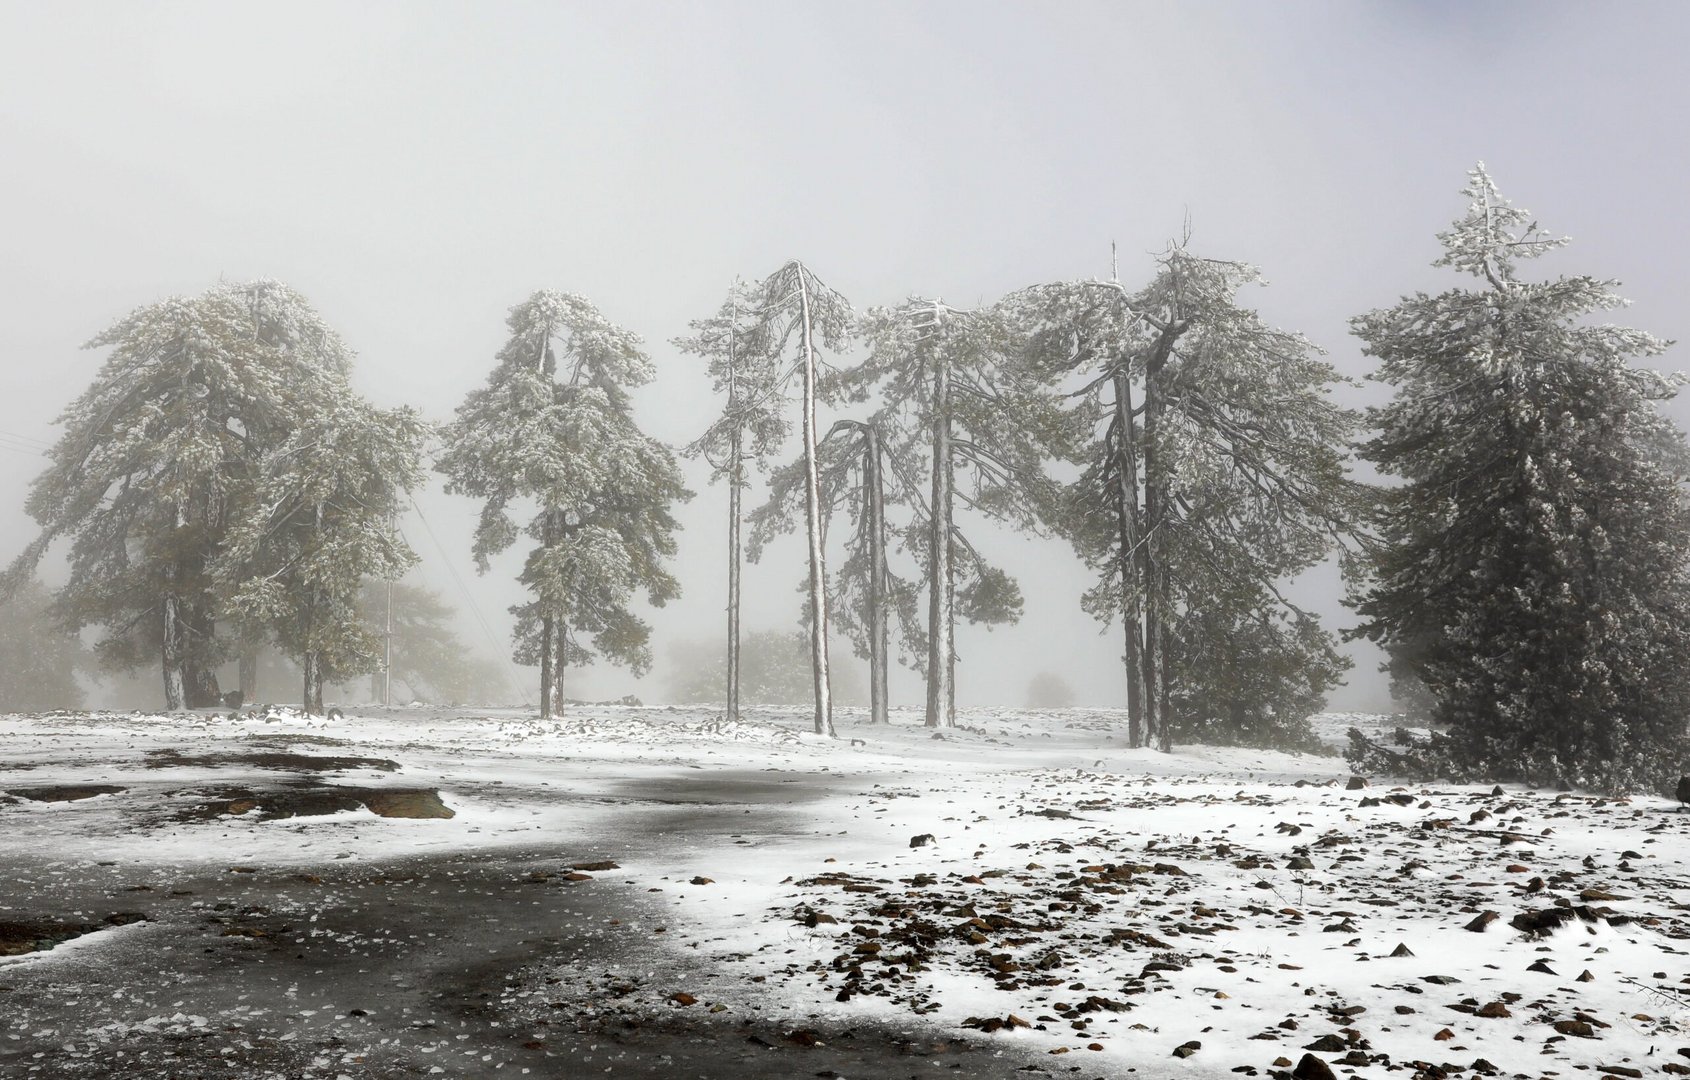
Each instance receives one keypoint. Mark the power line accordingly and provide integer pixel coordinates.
(498, 650)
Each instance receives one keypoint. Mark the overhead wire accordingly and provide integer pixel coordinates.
(509, 672)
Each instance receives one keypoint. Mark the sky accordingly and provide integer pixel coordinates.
(415, 169)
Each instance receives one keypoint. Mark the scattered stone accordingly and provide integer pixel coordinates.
(595, 867)
(1575, 1027)
(1312, 1068)
(1496, 1010)
(700, 879)
(921, 840)
(1185, 1050)
(683, 999)
(1481, 921)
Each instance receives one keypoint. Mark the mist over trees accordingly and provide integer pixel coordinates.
(39, 661)
(222, 492)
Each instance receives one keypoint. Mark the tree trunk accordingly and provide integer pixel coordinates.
(736, 480)
(249, 674)
(1156, 612)
(940, 607)
(878, 622)
(174, 691)
(311, 663)
(198, 678)
(1132, 579)
(554, 688)
(813, 522)
(547, 706)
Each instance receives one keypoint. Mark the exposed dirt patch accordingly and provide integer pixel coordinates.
(65, 792)
(18, 938)
(306, 800)
(273, 759)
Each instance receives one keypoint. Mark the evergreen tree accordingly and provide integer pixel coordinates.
(160, 454)
(1216, 471)
(427, 657)
(805, 315)
(955, 395)
(855, 471)
(39, 662)
(322, 522)
(1533, 570)
(745, 365)
(553, 427)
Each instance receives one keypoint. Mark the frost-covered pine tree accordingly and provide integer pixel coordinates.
(747, 369)
(957, 396)
(160, 454)
(804, 316)
(1533, 574)
(553, 429)
(1215, 472)
(323, 521)
(856, 472)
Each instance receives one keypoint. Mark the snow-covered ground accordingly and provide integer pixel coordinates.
(1024, 882)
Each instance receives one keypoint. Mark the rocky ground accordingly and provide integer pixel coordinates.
(659, 893)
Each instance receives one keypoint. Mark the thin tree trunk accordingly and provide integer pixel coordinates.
(174, 690)
(554, 689)
(812, 512)
(547, 706)
(940, 607)
(878, 623)
(736, 480)
(1155, 579)
(1132, 580)
(311, 665)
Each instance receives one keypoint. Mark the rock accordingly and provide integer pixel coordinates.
(66, 792)
(1402, 950)
(1481, 921)
(1356, 783)
(1585, 976)
(1541, 967)
(593, 867)
(1185, 1050)
(1312, 1068)
(1575, 1027)
(1328, 1044)
(1496, 1010)
(683, 999)
(1497, 792)
(921, 840)
(417, 803)
(1444, 1036)
(1620, 1070)
(700, 879)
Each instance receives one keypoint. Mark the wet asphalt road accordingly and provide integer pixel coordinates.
(472, 965)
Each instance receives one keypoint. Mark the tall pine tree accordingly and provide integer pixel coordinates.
(160, 454)
(1533, 574)
(553, 429)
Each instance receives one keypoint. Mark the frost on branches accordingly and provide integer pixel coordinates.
(1533, 575)
(209, 414)
(745, 363)
(1215, 471)
(553, 429)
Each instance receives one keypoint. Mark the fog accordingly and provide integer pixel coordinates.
(416, 169)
